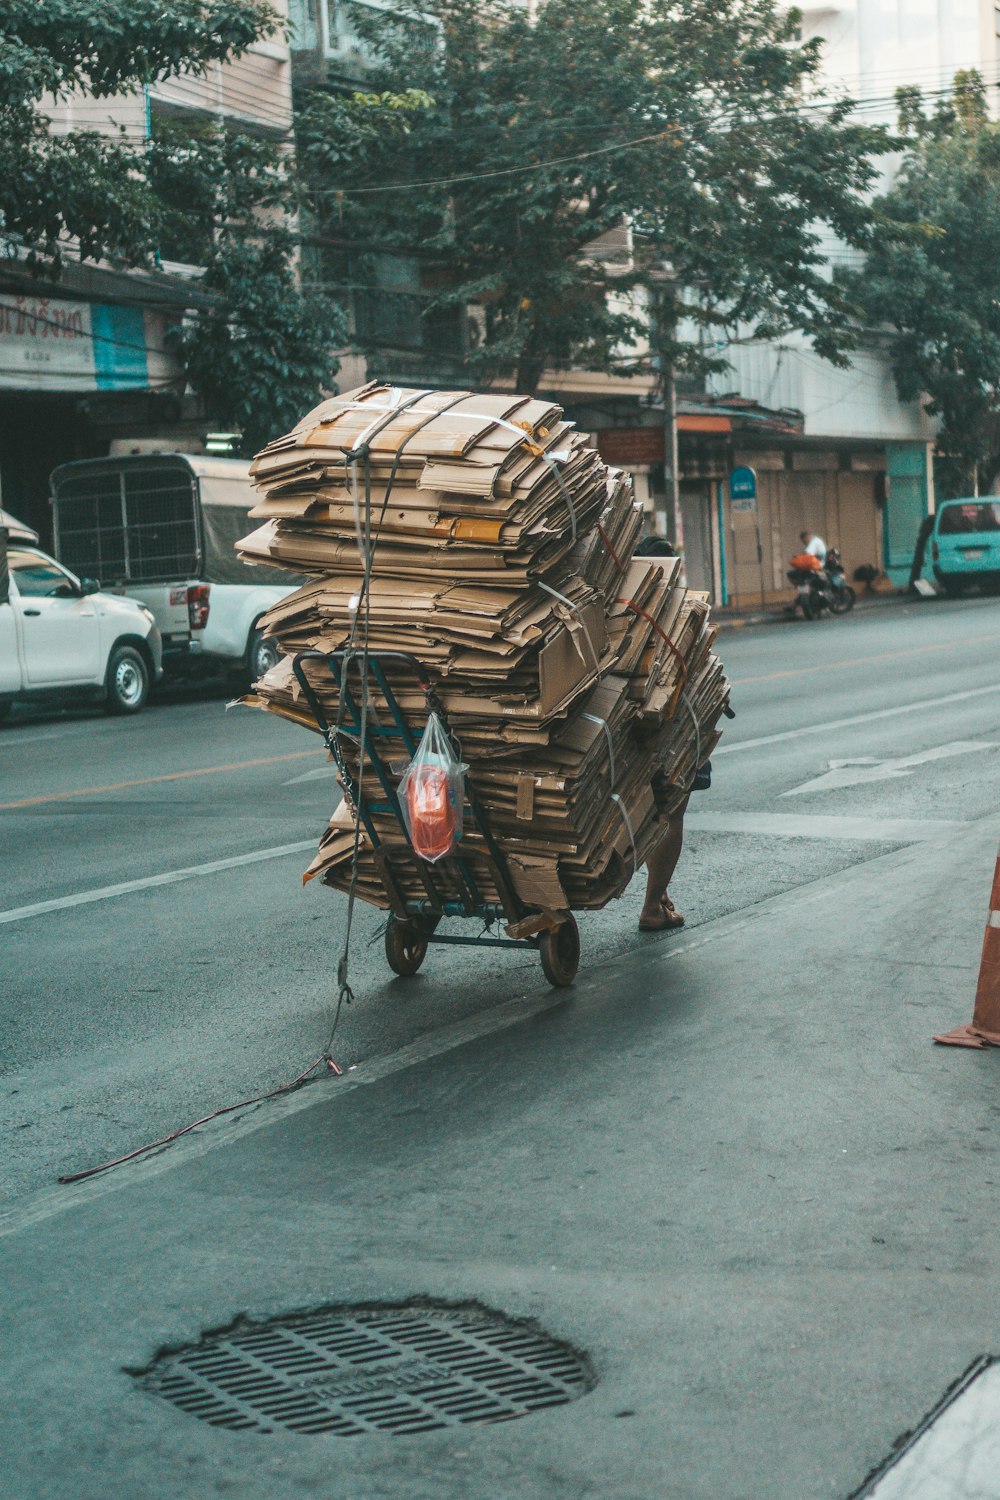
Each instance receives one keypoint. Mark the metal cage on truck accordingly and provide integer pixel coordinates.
(155, 518)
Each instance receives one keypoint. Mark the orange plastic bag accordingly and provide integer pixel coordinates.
(806, 562)
(432, 794)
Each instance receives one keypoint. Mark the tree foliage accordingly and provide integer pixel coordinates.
(87, 187)
(261, 355)
(933, 278)
(193, 192)
(538, 133)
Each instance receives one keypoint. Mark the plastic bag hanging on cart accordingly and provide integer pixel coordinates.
(432, 793)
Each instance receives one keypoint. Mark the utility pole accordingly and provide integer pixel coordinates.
(664, 323)
(671, 478)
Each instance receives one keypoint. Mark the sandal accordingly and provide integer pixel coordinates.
(671, 910)
(667, 920)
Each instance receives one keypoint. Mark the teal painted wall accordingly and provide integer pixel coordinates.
(908, 503)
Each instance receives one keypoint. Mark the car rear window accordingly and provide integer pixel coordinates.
(974, 516)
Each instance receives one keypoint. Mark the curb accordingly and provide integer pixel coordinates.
(782, 617)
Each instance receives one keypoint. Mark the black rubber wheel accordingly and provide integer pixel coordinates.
(5, 708)
(842, 600)
(953, 588)
(809, 609)
(559, 951)
(405, 946)
(263, 653)
(127, 681)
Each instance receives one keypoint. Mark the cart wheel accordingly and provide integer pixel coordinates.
(405, 946)
(560, 953)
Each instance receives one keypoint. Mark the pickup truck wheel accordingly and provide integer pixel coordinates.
(127, 681)
(263, 653)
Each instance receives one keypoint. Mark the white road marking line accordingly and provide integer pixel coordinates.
(808, 826)
(864, 770)
(872, 718)
(9, 738)
(169, 877)
(50, 1202)
(325, 772)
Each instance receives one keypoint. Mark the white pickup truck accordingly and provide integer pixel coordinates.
(61, 637)
(161, 527)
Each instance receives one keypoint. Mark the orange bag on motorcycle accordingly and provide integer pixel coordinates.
(806, 563)
(432, 794)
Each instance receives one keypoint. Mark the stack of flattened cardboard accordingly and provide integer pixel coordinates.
(580, 682)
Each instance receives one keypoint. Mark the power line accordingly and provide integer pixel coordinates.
(818, 106)
(96, 338)
(555, 161)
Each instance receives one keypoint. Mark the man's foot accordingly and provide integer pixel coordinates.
(663, 918)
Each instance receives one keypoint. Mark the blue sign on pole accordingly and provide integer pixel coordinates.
(743, 489)
(742, 485)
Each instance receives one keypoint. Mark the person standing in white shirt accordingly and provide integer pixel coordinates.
(814, 545)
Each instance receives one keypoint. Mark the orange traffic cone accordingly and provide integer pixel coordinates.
(984, 1028)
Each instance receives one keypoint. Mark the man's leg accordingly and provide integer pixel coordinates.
(660, 869)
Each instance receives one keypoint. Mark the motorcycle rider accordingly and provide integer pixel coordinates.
(814, 545)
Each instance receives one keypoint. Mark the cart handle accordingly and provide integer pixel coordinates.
(334, 659)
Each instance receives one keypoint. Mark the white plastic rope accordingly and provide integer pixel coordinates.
(697, 733)
(628, 825)
(561, 597)
(596, 719)
(476, 416)
(350, 459)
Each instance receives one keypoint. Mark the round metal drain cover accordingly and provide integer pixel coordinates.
(352, 1370)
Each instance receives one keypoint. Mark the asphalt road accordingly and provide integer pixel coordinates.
(126, 1016)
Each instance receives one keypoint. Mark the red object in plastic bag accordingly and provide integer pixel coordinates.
(432, 793)
(432, 816)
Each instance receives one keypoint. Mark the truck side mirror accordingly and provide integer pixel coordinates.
(88, 586)
(4, 574)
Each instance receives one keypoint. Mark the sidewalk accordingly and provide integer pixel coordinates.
(777, 613)
(733, 1169)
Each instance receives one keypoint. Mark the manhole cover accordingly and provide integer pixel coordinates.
(349, 1371)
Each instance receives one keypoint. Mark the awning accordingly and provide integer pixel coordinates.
(690, 422)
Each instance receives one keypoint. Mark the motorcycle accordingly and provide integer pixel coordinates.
(819, 589)
(842, 595)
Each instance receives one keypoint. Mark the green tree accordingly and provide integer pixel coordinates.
(932, 279)
(261, 355)
(682, 122)
(85, 187)
(224, 199)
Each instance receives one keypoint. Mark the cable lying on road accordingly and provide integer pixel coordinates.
(324, 1061)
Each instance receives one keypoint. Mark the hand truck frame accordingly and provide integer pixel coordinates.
(412, 925)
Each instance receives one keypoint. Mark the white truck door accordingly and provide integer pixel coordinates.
(10, 663)
(10, 666)
(60, 632)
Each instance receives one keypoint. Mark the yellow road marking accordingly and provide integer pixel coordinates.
(122, 786)
(862, 661)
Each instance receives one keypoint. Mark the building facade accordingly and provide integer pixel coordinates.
(852, 420)
(86, 360)
(872, 47)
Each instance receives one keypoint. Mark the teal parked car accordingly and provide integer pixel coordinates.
(965, 544)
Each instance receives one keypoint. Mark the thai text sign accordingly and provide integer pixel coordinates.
(54, 345)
